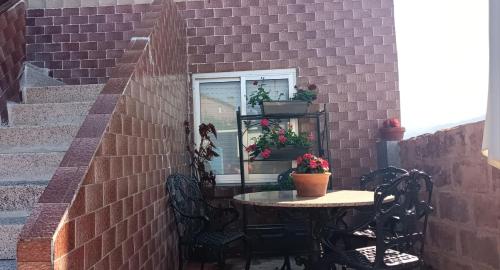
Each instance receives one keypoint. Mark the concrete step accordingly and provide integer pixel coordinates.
(47, 113)
(62, 94)
(11, 224)
(8, 265)
(33, 166)
(37, 76)
(37, 138)
(20, 195)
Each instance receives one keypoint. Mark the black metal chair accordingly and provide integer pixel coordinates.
(201, 227)
(400, 228)
(378, 177)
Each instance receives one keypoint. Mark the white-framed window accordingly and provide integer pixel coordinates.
(216, 98)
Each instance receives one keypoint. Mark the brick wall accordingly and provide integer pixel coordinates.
(12, 51)
(33, 4)
(464, 230)
(347, 48)
(81, 45)
(105, 207)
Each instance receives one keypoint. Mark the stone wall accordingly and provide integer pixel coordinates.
(35, 4)
(105, 207)
(12, 51)
(347, 48)
(81, 45)
(464, 230)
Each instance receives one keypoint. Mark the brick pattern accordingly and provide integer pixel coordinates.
(36, 4)
(12, 53)
(106, 207)
(346, 47)
(464, 231)
(82, 45)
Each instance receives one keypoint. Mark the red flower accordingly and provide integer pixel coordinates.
(313, 164)
(255, 82)
(282, 139)
(312, 87)
(264, 122)
(281, 132)
(251, 148)
(266, 153)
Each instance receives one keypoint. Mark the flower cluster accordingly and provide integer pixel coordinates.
(275, 137)
(309, 163)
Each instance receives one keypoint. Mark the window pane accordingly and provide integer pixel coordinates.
(278, 91)
(219, 102)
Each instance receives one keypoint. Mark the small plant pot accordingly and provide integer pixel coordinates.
(392, 133)
(311, 185)
(289, 152)
(284, 107)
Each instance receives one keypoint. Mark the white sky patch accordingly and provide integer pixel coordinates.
(443, 62)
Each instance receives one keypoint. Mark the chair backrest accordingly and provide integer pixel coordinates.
(284, 181)
(399, 224)
(378, 177)
(186, 199)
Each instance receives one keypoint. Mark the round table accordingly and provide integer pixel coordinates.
(316, 207)
(289, 198)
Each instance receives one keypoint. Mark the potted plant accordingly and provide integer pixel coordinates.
(278, 143)
(200, 155)
(311, 176)
(392, 130)
(298, 104)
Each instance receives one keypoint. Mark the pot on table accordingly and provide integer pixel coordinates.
(311, 184)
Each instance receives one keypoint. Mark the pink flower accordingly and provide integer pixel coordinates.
(282, 139)
(282, 132)
(266, 153)
(264, 122)
(308, 156)
(325, 165)
(313, 164)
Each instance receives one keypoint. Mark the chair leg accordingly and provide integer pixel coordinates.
(181, 257)
(221, 259)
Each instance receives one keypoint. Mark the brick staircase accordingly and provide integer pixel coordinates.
(31, 147)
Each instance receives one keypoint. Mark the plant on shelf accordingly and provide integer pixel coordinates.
(392, 130)
(298, 104)
(311, 176)
(259, 96)
(202, 153)
(308, 95)
(278, 143)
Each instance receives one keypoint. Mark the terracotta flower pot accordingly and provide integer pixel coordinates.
(392, 133)
(311, 184)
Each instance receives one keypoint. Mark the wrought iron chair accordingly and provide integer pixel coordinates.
(201, 227)
(400, 228)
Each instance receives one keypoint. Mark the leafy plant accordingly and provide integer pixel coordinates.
(260, 96)
(275, 137)
(309, 163)
(308, 95)
(203, 153)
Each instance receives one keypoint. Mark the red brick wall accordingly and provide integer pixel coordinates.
(347, 48)
(12, 52)
(464, 230)
(105, 208)
(81, 45)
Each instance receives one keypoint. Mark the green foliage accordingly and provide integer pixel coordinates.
(308, 95)
(260, 96)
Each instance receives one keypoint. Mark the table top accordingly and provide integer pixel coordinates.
(289, 198)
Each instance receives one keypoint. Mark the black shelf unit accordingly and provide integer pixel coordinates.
(321, 122)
